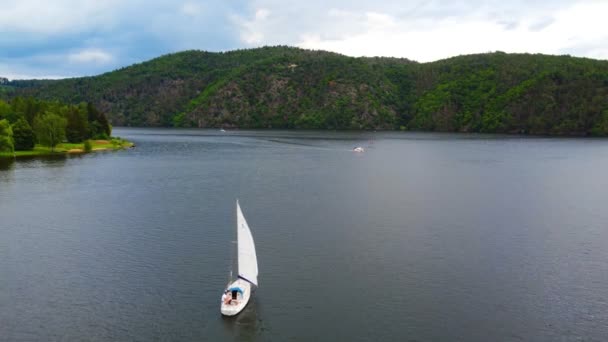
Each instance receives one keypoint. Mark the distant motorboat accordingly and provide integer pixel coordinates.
(222, 130)
(237, 293)
(358, 149)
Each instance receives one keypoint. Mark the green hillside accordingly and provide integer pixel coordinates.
(284, 87)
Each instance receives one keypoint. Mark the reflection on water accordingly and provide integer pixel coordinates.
(6, 163)
(245, 326)
(52, 161)
(57, 160)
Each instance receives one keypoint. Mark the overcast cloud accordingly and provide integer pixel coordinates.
(64, 38)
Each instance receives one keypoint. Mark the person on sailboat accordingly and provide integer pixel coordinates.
(235, 296)
(226, 298)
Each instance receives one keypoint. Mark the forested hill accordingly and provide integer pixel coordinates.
(283, 87)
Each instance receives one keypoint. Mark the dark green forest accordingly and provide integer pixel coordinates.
(25, 122)
(285, 87)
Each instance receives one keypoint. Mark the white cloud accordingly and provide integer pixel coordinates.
(58, 16)
(191, 9)
(18, 76)
(379, 21)
(448, 38)
(252, 31)
(38, 36)
(261, 14)
(90, 56)
(431, 30)
(16, 71)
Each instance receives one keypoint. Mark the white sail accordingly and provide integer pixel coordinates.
(248, 261)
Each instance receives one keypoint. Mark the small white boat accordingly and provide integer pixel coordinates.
(222, 130)
(238, 292)
(358, 149)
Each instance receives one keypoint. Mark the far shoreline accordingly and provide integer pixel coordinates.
(226, 129)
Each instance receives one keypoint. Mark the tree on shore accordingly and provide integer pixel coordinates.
(50, 129)
(5, 110)
(99, 126)
(6, 137)
(77, 126)
(23, 135)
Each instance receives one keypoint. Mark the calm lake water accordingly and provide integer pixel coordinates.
(424, 237)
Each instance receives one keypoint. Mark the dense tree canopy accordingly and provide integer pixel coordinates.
(50, 129)
(99, 125)
(77, 128)
(23, 135)
(283, 87)
(5, 110)
(24, 113)
(6, 136)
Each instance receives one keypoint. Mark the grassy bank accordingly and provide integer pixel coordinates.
(65, 148)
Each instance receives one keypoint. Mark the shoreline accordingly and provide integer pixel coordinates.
(490, 134)
(63, 149)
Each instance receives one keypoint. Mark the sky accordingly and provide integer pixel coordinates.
(68, 38)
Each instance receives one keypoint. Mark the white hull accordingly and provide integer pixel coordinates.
(240, 303)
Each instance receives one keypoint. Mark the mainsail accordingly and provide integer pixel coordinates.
(248, 261)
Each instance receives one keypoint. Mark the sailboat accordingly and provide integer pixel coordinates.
(238, 292)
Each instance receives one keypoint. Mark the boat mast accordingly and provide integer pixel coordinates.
(233, 250)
